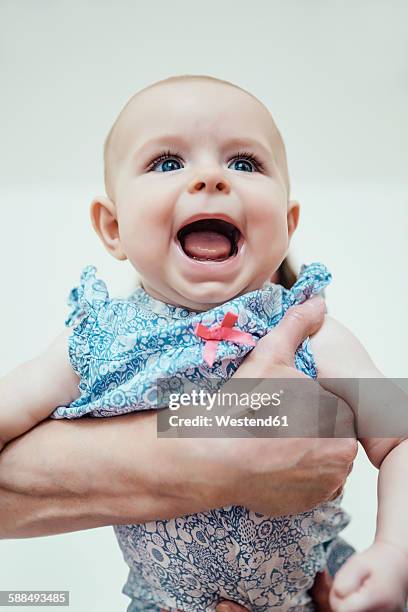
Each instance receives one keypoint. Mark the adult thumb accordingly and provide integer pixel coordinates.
(299, 322)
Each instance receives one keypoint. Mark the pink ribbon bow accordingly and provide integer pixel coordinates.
(212, 336)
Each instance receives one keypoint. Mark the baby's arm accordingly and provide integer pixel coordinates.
(377, 579)
(30, 392)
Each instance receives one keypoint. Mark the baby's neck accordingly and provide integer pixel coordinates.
(197, 307)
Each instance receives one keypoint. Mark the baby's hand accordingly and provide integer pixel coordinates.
(373, 581)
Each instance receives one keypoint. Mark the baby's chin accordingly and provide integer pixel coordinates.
(207, 295)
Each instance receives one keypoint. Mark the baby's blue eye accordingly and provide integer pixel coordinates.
(244, 165)
(168, 165)
(170, 160)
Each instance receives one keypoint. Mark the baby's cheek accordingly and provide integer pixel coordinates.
(264, 200)
(144, 218)
(147, 249)
(270, 229)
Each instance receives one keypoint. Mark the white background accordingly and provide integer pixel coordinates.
(334, 75)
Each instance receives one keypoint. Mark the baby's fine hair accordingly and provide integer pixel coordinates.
(107, 160)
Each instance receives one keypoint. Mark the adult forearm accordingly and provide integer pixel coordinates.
(71, 475)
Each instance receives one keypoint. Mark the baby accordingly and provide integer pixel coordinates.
(198, 201)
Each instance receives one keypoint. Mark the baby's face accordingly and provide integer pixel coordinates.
(199, 195)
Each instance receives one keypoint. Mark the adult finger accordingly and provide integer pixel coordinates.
(225, 606)
(320, 591)
(230, 606)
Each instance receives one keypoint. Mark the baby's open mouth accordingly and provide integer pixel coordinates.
(209, 239)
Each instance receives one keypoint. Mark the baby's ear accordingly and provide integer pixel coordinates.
(292, 216)
(105, 223)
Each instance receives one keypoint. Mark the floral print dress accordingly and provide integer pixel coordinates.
(120, 348)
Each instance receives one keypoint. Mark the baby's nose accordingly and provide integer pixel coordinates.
(211, 181)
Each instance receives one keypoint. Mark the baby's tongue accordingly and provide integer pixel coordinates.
(207, 245)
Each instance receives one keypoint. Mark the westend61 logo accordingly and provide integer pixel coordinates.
(284, 407)
(240, 405)
(223, 410)
(204, 399)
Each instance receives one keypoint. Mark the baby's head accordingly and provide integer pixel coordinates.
(197, 191)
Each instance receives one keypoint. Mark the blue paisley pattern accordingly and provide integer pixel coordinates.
(120, 348)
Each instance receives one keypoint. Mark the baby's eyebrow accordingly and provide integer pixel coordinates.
(179, 140)
(163, 140)
(249, 142)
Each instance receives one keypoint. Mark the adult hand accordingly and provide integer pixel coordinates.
(230, 606)
(306, 471)
(320, 595)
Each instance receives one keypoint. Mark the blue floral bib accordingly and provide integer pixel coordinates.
(121, 347)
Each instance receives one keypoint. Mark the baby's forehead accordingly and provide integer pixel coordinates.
(190, 103)
(210, 106)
